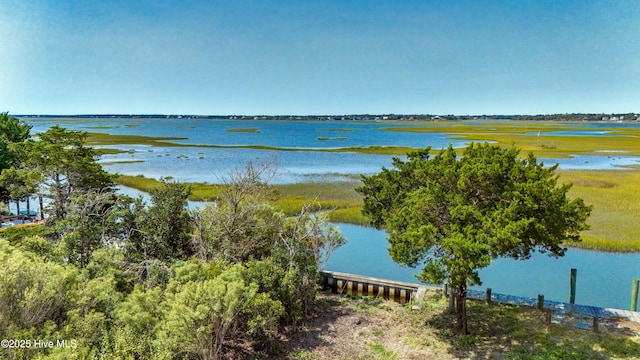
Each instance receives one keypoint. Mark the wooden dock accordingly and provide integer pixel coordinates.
(402, 292)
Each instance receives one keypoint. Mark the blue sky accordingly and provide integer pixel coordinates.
(319, 57)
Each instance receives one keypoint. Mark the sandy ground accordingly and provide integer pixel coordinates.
(341, 328)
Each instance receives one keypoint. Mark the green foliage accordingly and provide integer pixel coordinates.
(19, 183)
(164, 225)
(241, 228)
(16, 234)
(453, 215)
(136, 323)
(48, 250)
(33, 292)
(124, 283)
(200, 315)
(13, 129)
(109, 262)
(236, 233)
(303, 248)
(93, 220)
(192, 271)
(65, 165)
(240, 225)
(379, 352)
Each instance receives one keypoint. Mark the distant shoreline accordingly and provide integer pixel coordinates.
(622, 117)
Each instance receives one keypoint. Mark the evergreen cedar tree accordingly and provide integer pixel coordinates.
(453, 215)
(12, 130)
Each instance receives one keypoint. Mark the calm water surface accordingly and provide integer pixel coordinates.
(197, 164)
(208, 164)
(604, 279)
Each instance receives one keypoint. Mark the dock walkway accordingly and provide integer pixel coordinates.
(559, 307)
(411, 292)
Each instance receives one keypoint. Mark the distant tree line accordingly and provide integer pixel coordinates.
(373, 117)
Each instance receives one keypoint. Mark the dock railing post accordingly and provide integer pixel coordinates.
(540, 302)
(572, 294)
(634, 295)
(547, 318)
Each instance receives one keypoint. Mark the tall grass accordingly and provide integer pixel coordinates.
(615, 196)
(536, 137)
(138, 182)
(339, 199)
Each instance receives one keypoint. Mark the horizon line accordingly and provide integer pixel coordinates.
(317, 115)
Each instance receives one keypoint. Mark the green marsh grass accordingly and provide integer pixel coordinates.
(102, 139)
(251, 130)
(342, 130)
(338, 198)
(615, 196)
(535, 137)
(138, 182)
(123, 162)
(96, 139)
(102, 127)
(326, 196)
(108, 151)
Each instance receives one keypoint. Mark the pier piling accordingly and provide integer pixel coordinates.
(572, 293)
(634, 295)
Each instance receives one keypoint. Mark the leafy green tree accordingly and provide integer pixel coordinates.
(6, 161)
(95, 298)
(19, 184)
(94, 219)
(12, 131)
(454, 215)
(163, 228)
(90, 318)
(65, 164)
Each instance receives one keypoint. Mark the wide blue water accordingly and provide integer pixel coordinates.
(604, 279)
(201, 164)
